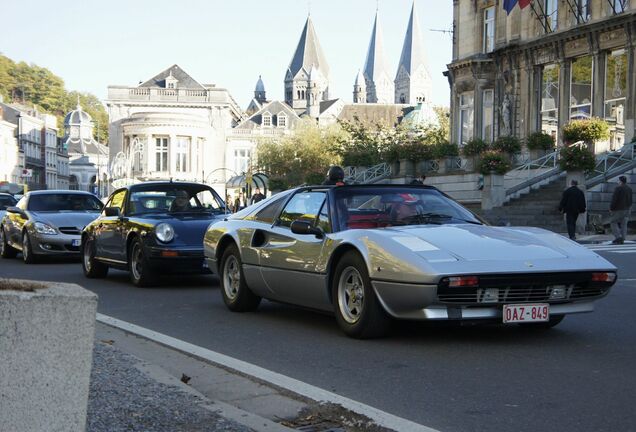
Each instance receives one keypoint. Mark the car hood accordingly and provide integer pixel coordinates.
(65, 219)
(486, 243)
(189, 228)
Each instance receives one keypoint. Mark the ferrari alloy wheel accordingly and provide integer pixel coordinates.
(140, 271)
(236, 294)
(358, 311)
(27, 251)
(6, 251)
(93, 269)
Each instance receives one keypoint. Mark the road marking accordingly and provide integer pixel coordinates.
(380, 417)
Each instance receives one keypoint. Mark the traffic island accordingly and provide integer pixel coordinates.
(46, 343)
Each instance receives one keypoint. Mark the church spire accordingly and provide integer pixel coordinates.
(376, 73)
(412, 81)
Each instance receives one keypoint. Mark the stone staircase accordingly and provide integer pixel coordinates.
(537, 208)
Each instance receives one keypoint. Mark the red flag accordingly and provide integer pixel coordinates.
(524, 3)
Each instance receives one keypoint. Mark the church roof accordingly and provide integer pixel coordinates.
(375, 64)
(274, 108)
(260, 86)
(184, 80)
(308, 52)
(360, 79)
(413, 52)
(77, 117)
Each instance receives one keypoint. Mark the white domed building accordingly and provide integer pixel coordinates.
(88, 159)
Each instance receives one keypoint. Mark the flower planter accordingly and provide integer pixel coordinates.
(46, 353)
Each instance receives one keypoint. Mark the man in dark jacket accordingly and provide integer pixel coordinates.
(620, 207)
(572, 204)
(335, 176)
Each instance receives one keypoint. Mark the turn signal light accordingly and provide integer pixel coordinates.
(169, 253)
(603, 277)
(463, 281)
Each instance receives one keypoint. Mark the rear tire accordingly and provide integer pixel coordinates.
(358, 310)
(6, 250)
(138, 265)
(93, 269)
(27, 250)
(237, 296)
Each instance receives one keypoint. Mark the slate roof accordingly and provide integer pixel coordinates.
(376, 64)
(185, 80)
(372, 113)
(413, 52)
(77, 116)
(274, 108)
(308, 52)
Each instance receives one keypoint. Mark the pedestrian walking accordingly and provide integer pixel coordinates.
(258, 196)
(620, 208)
(229, 203)
(572, 204)
(419, 181)
(237, 202)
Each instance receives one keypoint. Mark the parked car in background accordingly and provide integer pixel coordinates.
(373, 253)
(47, 223)
(151, 228)
(6, 200)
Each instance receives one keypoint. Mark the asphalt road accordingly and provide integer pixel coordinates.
(578, 376)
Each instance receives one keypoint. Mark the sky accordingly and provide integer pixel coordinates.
(93, 44)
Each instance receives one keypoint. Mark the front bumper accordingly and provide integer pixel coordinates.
(177, 260)
(56, 244)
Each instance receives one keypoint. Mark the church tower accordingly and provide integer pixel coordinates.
(308, 55)
(359, 89)
(413, 80)
(379, 86)
(259, 91)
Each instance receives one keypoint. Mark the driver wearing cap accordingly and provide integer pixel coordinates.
(403, 209)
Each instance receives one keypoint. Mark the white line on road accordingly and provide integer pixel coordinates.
(382, 418)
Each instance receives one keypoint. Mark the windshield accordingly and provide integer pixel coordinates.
(56, 202)
(383, 207)
(174, 198)
(6, 201)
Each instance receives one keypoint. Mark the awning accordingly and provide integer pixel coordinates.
(259, 180)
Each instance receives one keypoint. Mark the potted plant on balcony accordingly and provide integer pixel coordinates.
(472, 150)
(507, 145)
(539, 143)
(494, 162)
(591, 131)
(577, 158)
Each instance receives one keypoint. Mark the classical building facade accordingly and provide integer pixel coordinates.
(541, 67)
(87, 168)
(170, 126)
(9, 153)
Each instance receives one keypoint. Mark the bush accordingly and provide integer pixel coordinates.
(594, 129)
(360, 158)
(507, 144)
(412, 151)
(494, 161)
(277, 184)
(540, 141)
(474, 147)
(444, 149)
(577, 158)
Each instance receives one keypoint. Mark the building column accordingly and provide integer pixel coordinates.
(598, 84)
(630, 110)
(478, 107)
(150, 154)
(564, 95)
(172, 156)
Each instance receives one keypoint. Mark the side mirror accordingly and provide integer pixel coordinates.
(16, 210)
(111, 211)
(303, 227)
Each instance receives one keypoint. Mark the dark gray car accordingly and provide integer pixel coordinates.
(47, 223)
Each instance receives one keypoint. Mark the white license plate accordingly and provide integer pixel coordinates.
(526, 313)
(76, 242)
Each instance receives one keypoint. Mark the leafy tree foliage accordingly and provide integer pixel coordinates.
(37, 86)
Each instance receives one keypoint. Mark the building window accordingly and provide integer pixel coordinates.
(615, 95)
(549, 112)
(489, 29)
(267, 119)
(617, 6)
(487, 115)
(282, 120)
(161, 154)
(581, 88)
(551, 18)
(466, 120)
(182, 150)
(242, 160)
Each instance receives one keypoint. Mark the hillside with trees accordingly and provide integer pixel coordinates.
(36, 86)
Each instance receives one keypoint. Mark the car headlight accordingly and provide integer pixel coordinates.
(43, 228)
(164, 232)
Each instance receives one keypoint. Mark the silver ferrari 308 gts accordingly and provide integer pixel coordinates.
(373, 253)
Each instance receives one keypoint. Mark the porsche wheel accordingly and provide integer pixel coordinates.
(93, 269)
(237, 296)
(358, 311)
(27, 250)
(139, 267)
(6, 251)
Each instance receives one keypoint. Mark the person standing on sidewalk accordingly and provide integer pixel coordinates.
(620, 208)
(572, 204)
(419, 181)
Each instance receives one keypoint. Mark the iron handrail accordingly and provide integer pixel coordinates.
(370, 175)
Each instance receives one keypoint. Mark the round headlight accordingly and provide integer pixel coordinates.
(164, 232)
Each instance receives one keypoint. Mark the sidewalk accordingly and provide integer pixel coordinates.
(600, 238)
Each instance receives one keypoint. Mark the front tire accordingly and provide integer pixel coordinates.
(139, 267)
(27, 250)
(237, 296)
(358, 310)
(6, 250)
(93, 269)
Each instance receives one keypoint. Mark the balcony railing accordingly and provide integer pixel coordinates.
(167, 95)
